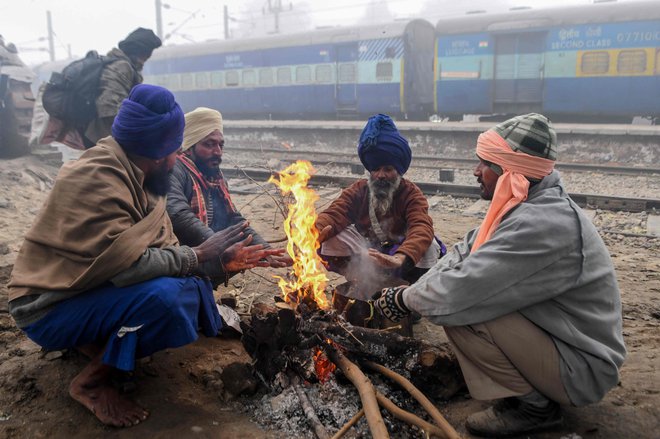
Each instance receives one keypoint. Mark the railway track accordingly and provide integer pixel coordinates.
(428, 162)
(584, 200)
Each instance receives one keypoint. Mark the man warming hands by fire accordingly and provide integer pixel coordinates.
(529, 300)
(381, 221)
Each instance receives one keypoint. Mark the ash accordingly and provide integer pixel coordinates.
(335, 403)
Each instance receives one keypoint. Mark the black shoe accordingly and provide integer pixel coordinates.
(512, 417)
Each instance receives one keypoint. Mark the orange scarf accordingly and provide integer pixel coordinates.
(512, 186)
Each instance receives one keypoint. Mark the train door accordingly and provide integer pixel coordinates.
(347, 75)
(519, 60)
(417, 74)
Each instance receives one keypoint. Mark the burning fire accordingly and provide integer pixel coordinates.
(322, 365)
(309, 277)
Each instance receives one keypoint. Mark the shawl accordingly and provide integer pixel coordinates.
(97, 221)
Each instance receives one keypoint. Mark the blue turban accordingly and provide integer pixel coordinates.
(382, 145)
(149, 123)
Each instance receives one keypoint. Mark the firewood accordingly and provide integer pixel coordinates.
(401, 414)
(342, 431)
(308, 409)
(449, 431)
(365, 389)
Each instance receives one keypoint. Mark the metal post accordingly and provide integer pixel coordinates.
(51, 42)
(159, 19)
(226, 21)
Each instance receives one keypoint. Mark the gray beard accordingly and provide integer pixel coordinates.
(381, 195)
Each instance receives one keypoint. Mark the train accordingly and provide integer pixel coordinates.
(598, 62)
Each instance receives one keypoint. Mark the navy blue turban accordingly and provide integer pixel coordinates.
(382, 145)
(149, 123)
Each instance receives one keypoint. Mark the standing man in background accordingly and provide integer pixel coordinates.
(118, 78)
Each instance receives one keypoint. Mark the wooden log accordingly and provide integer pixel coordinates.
(401, 414)
(446, 427)
(310, 413)
(433, 367)
(365, 389)
(342, 431)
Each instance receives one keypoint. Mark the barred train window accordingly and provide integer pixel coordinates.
(186, 81)
(346, 72)
(201, 80)
(303, 75)
(163, 81)
(231, 78)
(249, 78)
(216, 79)
(631, 61)
(595, 63)
(323, 73)
(384, 71)
(284, 75)
(265, 76)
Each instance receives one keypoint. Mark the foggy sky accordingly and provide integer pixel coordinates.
(82, 25)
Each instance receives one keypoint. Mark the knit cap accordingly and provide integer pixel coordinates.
(530, 133)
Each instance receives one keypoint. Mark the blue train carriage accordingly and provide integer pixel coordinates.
(597, 62)
(329, 73)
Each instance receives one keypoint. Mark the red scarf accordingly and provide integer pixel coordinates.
(201, 182)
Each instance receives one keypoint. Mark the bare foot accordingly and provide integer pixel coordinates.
(90, 388)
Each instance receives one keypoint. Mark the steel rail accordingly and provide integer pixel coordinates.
(468, 162)
(604, 202)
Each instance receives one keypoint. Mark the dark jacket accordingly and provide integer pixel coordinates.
(189, 229)
(117, 80)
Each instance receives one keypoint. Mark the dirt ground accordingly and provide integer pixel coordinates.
(182, 387)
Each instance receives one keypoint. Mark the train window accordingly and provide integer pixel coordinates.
(265, 76)
(174, 82)
(384, 71)
(231, 78)
(631, 62)
(201, 80)
(323, 73)
(284, 75)
(187, 81)
(249, 78)
(346, 73)
(595, 63)
(303, 75)
(216, 79)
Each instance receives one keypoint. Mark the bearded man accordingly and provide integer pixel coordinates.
(380, 223)
(198, 202)
(529, 300)
(100, 269)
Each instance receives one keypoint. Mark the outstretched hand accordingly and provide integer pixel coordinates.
(243, 256)
(386, 261)
(324, 233)
(219, 242)
(280, 259)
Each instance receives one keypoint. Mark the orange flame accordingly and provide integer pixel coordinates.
(309, 276)
(322, 366)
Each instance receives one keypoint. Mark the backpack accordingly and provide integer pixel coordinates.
(70, 96)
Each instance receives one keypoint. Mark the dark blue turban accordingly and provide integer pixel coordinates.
(149, 123)
(382, 145)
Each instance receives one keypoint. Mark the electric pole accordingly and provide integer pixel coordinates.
(51, 42)
(226, 21)
(159, 19)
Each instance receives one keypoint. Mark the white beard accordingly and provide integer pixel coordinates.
(381, 197)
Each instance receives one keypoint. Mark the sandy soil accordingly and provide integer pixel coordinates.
(183, 388)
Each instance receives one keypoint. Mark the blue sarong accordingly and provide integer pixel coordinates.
(131, 322)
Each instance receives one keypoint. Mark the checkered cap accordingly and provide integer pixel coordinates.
(530, 133)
